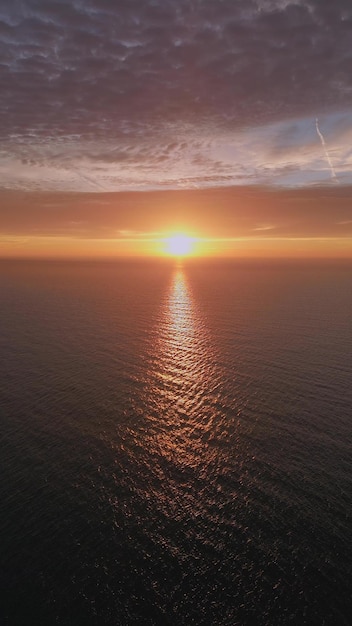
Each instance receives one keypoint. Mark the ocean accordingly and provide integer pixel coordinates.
(176, 443)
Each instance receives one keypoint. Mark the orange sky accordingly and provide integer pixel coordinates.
(235, 221)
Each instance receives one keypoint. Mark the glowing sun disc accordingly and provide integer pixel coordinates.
(179, 245)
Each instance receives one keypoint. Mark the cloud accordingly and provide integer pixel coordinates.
(264, 227)
(142, 94)
(282, 153)
(72, 67)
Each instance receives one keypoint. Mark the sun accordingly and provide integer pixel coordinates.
(179, 245)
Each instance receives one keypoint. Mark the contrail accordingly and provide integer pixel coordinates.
(89, 179)
(321, 137)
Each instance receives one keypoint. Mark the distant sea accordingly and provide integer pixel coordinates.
(176, 443)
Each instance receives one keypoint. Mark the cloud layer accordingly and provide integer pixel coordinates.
(105, 95)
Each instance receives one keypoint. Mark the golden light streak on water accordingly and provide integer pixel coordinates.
(183, 357)
(184, 382)
(181, 331)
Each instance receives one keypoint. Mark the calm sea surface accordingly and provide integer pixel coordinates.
(176, 444)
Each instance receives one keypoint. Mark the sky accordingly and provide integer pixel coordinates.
(124, 120)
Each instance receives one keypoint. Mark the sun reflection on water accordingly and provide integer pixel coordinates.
(184, 381)
(181, 340)
(181, 330)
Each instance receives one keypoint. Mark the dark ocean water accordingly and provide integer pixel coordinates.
(176, 444)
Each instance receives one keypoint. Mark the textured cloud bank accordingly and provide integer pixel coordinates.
(107, 95)
(286, 153)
